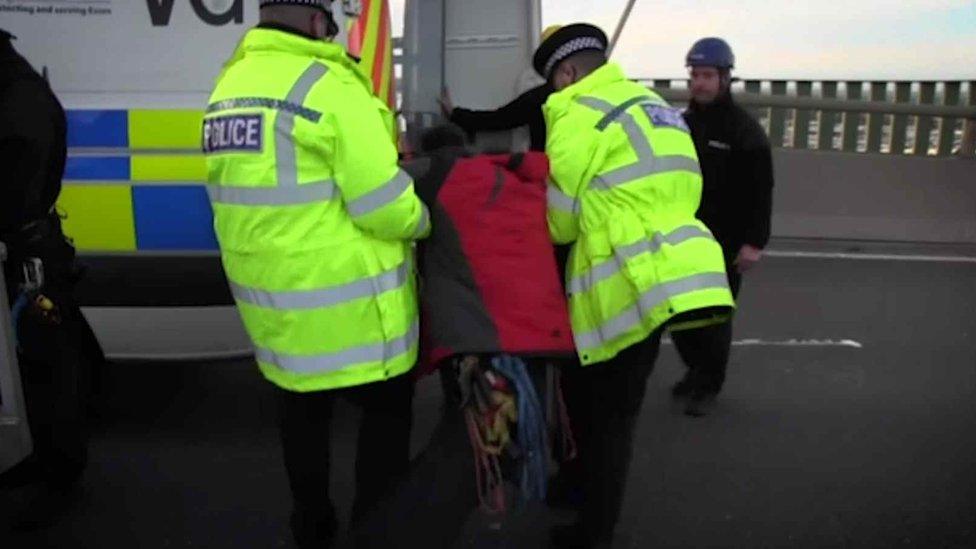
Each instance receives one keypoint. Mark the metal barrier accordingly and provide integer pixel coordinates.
(15, 440)
(929, 118)
(901, 118)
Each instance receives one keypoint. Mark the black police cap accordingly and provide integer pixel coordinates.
(565, 42)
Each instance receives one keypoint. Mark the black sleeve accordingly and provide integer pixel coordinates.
(26, 138)
(757, 182)
(437, 168)
(518, 112)
(21, 162)
(424, 185)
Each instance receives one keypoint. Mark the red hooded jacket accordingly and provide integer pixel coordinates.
(489, 277)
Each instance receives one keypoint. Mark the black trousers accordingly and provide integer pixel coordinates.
(430, 504)
(604, 401)
(55, 376)
(382, 452)
(705, 351)
(57, 353)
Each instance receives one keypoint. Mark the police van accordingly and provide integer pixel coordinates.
(134, 77)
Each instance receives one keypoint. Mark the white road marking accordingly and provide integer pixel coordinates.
(752, 342)
(871, 257)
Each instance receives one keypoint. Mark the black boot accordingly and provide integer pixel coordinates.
(683, 388)
(565, 492)
(575, 536)
(314, 532)
(25, 473)
(700, 403)
(48, 505)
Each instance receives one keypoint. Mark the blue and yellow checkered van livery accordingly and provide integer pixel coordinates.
(134, 182)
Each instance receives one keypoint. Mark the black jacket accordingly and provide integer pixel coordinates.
(33, 142)
(33, 147)
(525, 109)
(737, 167)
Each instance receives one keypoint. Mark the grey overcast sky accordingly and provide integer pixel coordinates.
(829, 39)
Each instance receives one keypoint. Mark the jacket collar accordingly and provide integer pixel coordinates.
(607, 74)
(276, 39)
(723, 101)
(285, 28)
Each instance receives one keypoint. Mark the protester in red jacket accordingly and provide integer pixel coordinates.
(490, 281)
(489, 287)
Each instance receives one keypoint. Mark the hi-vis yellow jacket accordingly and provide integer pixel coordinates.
(313, 216)
(624, 188)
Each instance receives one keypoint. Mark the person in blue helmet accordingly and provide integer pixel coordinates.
(736, 204)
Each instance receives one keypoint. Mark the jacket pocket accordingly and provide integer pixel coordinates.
(612, 279)
(633, 252)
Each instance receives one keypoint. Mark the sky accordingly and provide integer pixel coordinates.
(802, 39)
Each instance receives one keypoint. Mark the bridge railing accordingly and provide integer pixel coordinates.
(920, 118)
(925, 118)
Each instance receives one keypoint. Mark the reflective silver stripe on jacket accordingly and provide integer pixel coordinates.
(330, 362)
(647, 163)
(633, 316)
(265, 103)
(285, 149)
(380, 196)
(587, 280)
(286, 191)
(323, 297)
(273, 196)
(424, 223)
(556, 199)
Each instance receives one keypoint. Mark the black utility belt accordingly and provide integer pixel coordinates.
(38, 232)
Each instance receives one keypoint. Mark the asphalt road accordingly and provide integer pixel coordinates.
(848, 420)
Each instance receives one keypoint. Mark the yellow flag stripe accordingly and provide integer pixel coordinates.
(387, 72)
(370, 36)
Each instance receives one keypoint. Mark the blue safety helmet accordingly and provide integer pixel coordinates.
(710, 52)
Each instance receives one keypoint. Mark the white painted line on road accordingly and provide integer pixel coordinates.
(871, 257)
(798, 343)
(791, 343)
